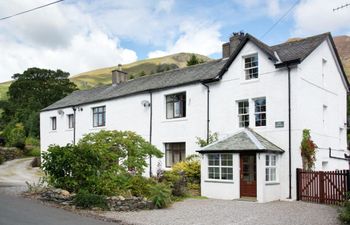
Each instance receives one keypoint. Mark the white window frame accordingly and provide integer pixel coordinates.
(269, 167)
(220, 167)
(241, 122)
(248, 75)
(258, 113)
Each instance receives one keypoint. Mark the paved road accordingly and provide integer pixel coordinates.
(15, 210)
(18, 211)
(14, 174)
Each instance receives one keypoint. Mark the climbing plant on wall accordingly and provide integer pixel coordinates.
(308, 150)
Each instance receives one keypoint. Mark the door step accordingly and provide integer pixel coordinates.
(247, 199)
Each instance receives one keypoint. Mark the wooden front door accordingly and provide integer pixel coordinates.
(248, 175)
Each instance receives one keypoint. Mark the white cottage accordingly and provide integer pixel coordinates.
(258, 98)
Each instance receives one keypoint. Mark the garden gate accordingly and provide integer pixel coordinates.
(328, 187)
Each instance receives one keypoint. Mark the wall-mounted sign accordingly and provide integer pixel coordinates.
(279, 124)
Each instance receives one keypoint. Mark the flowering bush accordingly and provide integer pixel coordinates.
(308, 150)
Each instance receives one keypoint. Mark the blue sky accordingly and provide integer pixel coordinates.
(77, 36)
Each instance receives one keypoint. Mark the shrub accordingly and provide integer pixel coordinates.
(32, 141)
(160, 195)
(88, 200)
(16, 136)
(101, 163)
(130, 149)
(34, 152)
(2, 159)
(176, 181)
(36, 162)
(344, 215)
(140, 186)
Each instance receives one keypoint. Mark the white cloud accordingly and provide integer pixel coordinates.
(84, 53)
(165, 5)
(254, 8)
(316, 16)
(198, 38)
(59, 36)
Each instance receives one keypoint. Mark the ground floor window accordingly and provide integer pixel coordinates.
(174, 152)
(271, 168)
(220, 166)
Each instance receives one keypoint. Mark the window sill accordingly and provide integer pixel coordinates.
(219, 181)
(98, 128)
(175, 120)
(53, 131)
(69, 129)
(272, 183)
(254, 80)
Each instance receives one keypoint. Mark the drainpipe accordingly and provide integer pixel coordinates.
(74, 119)
(289, 135)
(208, 120)
(150, 131)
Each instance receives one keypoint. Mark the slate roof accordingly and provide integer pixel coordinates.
(299, 49)
(245, 140)
(162, 80)
(206, 72)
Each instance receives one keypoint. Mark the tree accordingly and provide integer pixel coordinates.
(194, 60)
(32, 91)
(204, 142)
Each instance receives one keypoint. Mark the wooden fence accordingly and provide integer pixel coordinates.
(327, 187)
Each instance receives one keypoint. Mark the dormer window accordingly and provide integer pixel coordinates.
(251, 67)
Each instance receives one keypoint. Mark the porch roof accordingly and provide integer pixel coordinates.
(246, 140)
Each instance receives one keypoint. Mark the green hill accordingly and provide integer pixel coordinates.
(102, 76)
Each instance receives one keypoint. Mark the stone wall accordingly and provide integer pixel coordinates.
(10, 153)
(119, 203)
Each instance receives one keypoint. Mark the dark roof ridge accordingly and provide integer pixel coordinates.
(300, 40)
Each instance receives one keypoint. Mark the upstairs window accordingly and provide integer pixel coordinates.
(271, 168)
(176, 105)
(243, 113)
(70, 121)
(53, 123)
(99, 116)
(260, 112)
(251, 67)
(174, 152)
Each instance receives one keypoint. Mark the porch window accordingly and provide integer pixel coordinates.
(99, 116)
(70, 121)
(176, 105)
(271, 168)
(174, 152)
(53, 123)
(251, 67)
(243, 113)
(260, 112)
(220, 166)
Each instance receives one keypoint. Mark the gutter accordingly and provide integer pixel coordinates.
(150, 130)
(346, 157)
(208, 115)
(288, 65)
(74, 119)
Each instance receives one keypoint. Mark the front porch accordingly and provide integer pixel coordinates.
(242, 166)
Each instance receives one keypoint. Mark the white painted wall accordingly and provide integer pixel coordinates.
(220, 189)
(309, 94)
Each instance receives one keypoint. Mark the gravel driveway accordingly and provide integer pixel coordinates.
(221, 212)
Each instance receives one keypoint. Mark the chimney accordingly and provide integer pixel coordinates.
(229, 47)
(119, 76)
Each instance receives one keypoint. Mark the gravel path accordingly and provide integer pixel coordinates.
(210, 211)
(14, 174)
